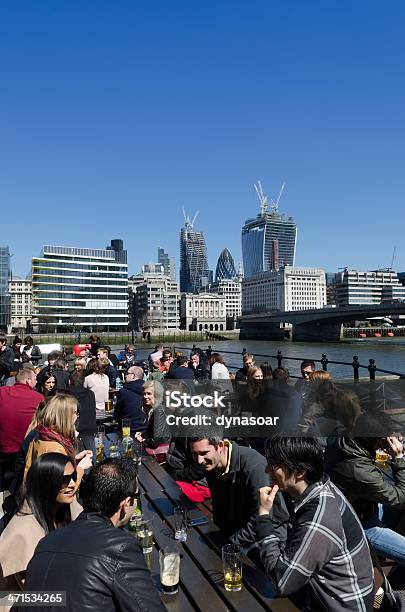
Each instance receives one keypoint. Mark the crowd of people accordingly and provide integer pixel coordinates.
(303, 501)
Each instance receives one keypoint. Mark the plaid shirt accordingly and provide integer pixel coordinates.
(326, 550)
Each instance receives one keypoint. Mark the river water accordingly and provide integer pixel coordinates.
(388, 354)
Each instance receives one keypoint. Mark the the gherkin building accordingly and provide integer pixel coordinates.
(225, 266)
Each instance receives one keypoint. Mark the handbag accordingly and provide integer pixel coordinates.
(392, 601)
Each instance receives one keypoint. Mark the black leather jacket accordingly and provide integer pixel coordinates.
(99, 566)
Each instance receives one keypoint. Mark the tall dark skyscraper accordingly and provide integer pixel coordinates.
(194, 272)
(269, 240)
(5, 273)
(120, 253)
(225, 266)
(167, 262)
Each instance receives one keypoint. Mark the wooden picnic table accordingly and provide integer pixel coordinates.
(201, 578)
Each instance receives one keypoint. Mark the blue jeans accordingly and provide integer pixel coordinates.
(380, 531)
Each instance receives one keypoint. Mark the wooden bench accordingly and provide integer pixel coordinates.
(201, 576)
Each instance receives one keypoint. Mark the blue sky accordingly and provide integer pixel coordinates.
(115, 114)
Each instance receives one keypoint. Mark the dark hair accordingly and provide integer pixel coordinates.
(28, 340)
(41, 487)
(296, 454)
(107, 484)
(281, 374)
(372, 428)
(60, 364)
(212, 440)
(201, 355)
(182, 360)
(16, 340)
(325, 391)
(216, 358)
(93, 367)
(41, 387)
(3, 337)
(54, 355)
(76, 378)
(308, 363)
(267, 370)
(105, 348)
(339, 405)
(165, 352)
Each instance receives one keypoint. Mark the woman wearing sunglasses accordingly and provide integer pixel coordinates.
(47, 503)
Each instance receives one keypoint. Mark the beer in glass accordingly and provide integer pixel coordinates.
(232, 565)
(169, 563)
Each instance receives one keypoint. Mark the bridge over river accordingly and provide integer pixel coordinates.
(315, 325)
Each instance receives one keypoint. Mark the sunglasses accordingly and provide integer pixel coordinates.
(66, 479)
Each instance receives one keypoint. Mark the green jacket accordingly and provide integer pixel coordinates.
(352, 468)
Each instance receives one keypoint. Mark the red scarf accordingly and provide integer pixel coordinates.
(49, 435)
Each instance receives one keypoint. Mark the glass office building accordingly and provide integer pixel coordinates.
(5, 273)
(78, 289)
(268, 242)
(225, 266)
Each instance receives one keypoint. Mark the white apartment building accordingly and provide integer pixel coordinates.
(231, 290)
(203, 311)
(289, 288)
(20, 290)
(154, 299)
(374, 287)
(80, 289)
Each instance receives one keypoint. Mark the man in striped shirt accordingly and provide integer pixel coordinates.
(325, 557)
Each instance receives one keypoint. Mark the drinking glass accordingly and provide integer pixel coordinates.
(232, 565)
(169, 564)
(145, 534)
(135, 523)
(108, 407)
(126, 427)
(138, 450)
(381, 456)
(99, 444)
(114, 450)
(180, 524)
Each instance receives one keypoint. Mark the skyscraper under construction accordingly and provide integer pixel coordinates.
(269, 240)
(194, 272)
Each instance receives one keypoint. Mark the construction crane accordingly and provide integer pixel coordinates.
(262, 198)
(188, 223)
(274, 204)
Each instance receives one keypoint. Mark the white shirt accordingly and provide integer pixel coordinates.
(99, 384)
(219, 371)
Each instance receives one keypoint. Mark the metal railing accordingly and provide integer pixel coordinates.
(324, 361)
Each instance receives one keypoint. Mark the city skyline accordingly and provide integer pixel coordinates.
(113, 138)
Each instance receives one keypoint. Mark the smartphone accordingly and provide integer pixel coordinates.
(200, 520)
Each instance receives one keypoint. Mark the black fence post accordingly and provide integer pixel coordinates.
(324, 362)
(372, 368)
(279, 359)
(244, 351)
(356, 367)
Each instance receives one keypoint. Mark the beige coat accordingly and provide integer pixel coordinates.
(40, 447)
(20, 538)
